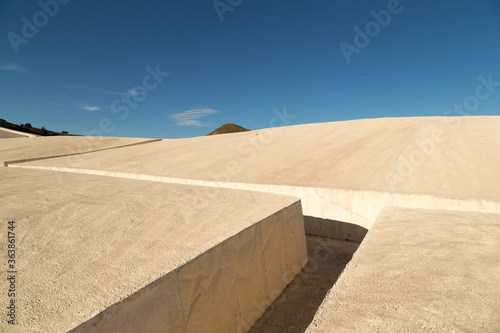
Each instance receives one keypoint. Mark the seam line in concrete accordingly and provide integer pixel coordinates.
(7, 163)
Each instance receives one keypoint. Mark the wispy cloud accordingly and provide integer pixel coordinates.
(13, 67)
(63, 105)
(90, 108)
(133, 92)
(110, 92)
(79, 106)
(129, 92)
(189, 117)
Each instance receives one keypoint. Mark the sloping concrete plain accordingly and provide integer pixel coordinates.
(452, 157)
(106, 254)
(419, 271)
(344, 173)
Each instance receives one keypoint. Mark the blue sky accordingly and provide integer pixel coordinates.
(100, 67)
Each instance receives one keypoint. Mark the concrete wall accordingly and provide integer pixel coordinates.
(225, 289)
(317, 226)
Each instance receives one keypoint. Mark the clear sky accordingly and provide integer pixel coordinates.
(100, 67)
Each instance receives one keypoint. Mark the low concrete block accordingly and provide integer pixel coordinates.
(118, 255)
(419, 271)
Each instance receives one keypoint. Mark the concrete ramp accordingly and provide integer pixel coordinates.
(419, 271)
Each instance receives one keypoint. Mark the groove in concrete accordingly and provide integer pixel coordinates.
(6, 163)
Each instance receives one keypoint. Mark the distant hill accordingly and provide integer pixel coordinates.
(228, 128)
(27, 128)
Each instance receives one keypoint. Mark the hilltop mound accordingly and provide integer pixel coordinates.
(228, 128)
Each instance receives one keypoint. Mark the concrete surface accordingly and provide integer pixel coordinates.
(346, 172)
(112, 254)
(326, 208)
(186, 204)
(419, 271)
(35, 148)
(452, 157)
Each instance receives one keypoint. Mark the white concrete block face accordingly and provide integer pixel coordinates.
(275, 258)
(249, 271)
(208, 293)
(295, 240)
(279, 265)
(155, 308)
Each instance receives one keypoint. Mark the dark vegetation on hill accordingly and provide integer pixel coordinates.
(228, 128)
(27, 128)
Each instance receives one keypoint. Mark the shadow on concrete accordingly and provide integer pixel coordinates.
(295, 308)
(317, 226)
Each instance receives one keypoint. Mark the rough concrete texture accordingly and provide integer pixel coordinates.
(450, 157)
(419, 271)
(345, 174)
(124, 255)
(34, 148)
(346, 171)
(327, 209)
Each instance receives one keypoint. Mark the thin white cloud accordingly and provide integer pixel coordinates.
(133, 92)
(79, 107)
(189, 117)
(91, 108)
(13, 67)
(110, 92)
(128, 92)
(63, 105)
